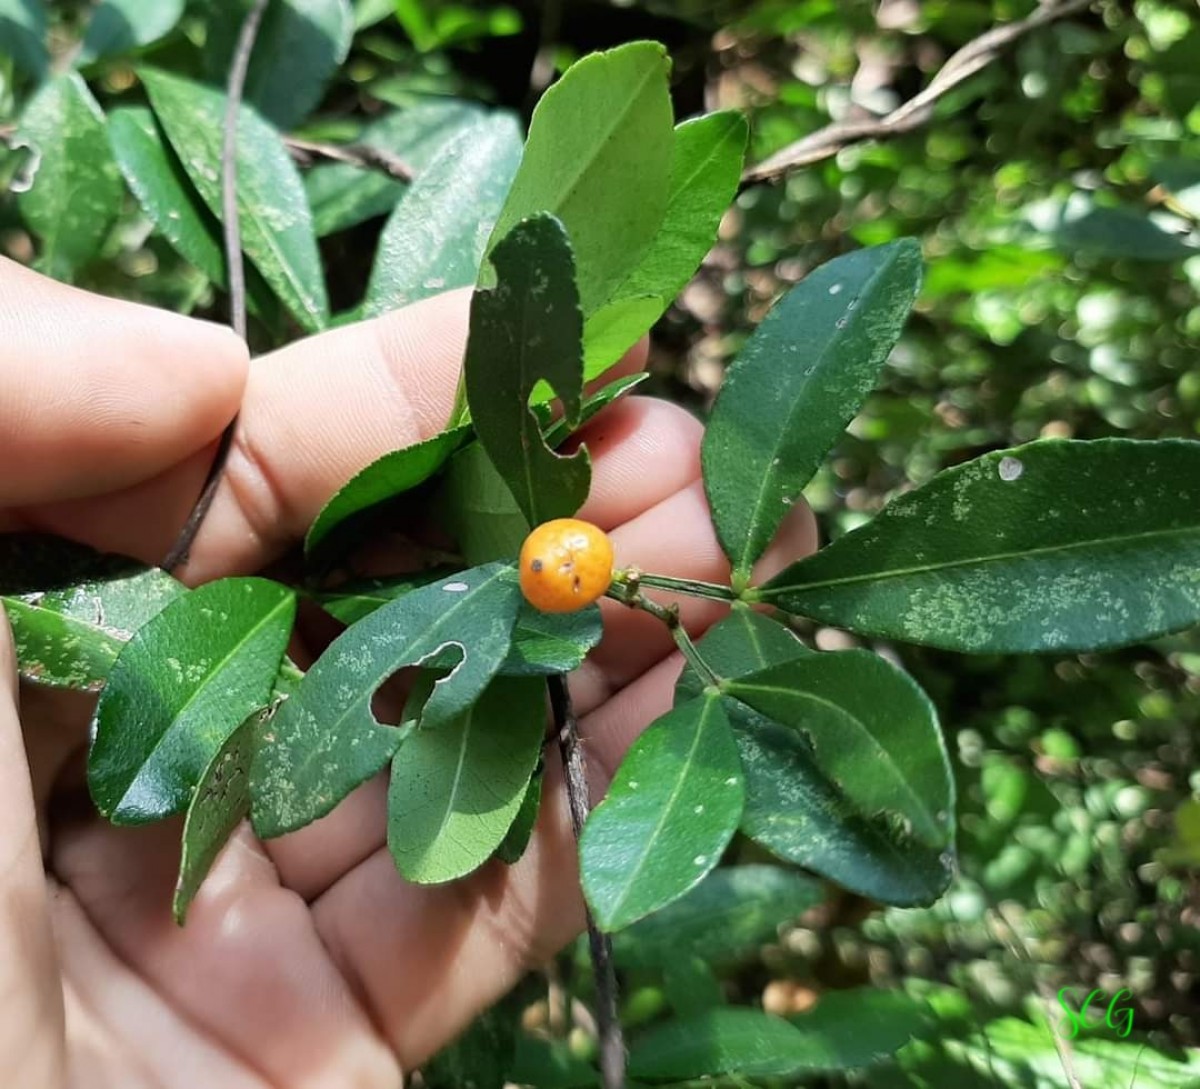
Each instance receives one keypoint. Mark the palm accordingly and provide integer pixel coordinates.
(307, 960)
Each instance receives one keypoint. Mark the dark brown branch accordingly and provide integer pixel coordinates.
(970, 59)
(363, 156)
(612, 1045)
(233, 260)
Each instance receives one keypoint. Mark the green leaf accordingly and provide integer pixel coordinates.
(220, 804)
(23, 28)
(796, 384)
(1054, 546)
(1182, 178)
(183, 683)
(525, 329)
(72, 609)
(381, 481)
(550, 1064)
(613, 328)
(457, 787)
(603, 128)
(351, 601)
(299, 47)
(863, 1025)
(434, 240)
(872, 730)
(325, 741)
(725, 1041)
(691, 986)
(119, 26)
(277, 234)
(547, 643)
(706, 168)
(516, 839)
(76, 188)
(672, 809)
(342, 195)
(744, 642)
(476, 508)
(1078, 223)
(727, 918)
(793, 808)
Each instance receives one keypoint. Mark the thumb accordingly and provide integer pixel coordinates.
(97, 394)
(31, 1030)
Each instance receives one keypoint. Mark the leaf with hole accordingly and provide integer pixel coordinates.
(796, 384)
(76, 186)
(1054, 546)
(457, 787)
(180, 687)
(325, 740)
(72, 609)
(277, 231)
(670, 812)
(220, 804)
(299, 48)
(528, 329)
(434, 239)
(604, 126)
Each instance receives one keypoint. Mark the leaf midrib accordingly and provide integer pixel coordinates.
(744, 562)
(709, 703)
(842, 712)
(767, 592)
(233, 651)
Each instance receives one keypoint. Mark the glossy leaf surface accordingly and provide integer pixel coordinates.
(72, 609)
(527, 329)
(1054, 546)
(181, 686)
(325, 741)
(76, 185)
(456, 788)
(277, 232)
(606, 122)
(434, 239)
(220, 804)
(671, 810)
(796, 384)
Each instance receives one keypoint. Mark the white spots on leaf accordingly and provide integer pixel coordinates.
(700, 860)
(834, 288)
(456, 587)
(698, 809)
(633, 784)
(1011, 468)
(731, 781)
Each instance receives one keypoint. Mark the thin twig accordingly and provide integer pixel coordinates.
(233, 259)
(363, 156)
(971, 58)
(612, 1045)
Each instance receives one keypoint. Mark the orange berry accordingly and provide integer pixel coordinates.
(565, 565)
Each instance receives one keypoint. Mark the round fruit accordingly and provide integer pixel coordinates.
(565, 565)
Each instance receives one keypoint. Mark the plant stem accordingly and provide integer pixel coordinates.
(612, 1045)
(714, 591)
(235, 270)
(628, 592)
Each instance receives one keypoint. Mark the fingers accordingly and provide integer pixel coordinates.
(317, 412)
(31, 1031)
(96, 394)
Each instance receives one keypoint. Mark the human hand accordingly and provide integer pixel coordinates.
(307, 961)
